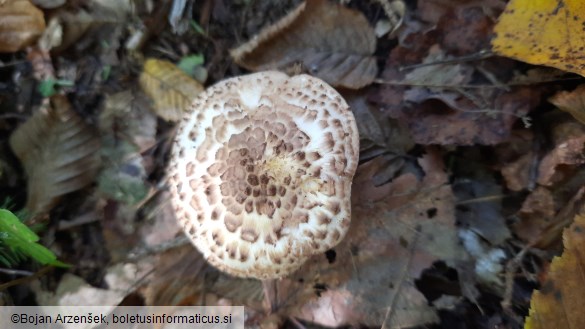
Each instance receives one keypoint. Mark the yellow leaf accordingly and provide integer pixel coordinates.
(543, 32)
(171, 90)
(559, 303)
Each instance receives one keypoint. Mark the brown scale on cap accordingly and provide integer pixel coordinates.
(261, 172)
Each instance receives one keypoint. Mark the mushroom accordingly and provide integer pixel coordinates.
(261, 171)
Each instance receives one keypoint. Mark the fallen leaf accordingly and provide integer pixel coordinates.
(442, 103)
(375, 128)
(559, 302)
(537, 212)
(572, 102)
(569, 208)
(544, 32)
(332, 42)
(433, 11)
(171, 90)
(178, 277)
(515, 159)
(96, 25)
(22, 23)
(443, 119)
(59, 153)
(74, 290)
(566, 157)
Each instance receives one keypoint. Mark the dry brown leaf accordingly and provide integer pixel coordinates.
(332, 42)
(96, 21)
(572, 102)
(376, 130)
(439, 108)
(21, 24)
(537, 212)
(178, 278)
(59, 153)
(516, 159)
(171, 90)
(433, 11)
(559, 303)
(517, 173)
(566, 157)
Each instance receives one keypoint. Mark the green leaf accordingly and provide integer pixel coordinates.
(11, 226)
(188, 64)
(197, 27)
(33, 250)
(106, 71)
(47, 87)
(18, 240)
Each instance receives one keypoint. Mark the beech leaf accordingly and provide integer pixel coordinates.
(59, 153)
(332, 42)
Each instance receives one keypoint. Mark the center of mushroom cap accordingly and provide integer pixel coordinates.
(261, 169)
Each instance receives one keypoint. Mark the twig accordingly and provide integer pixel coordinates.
(37, 274)
(10, 271)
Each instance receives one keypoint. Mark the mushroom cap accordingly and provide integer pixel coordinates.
(261, 170)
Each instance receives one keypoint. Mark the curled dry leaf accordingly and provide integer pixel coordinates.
(572, 102)
(543, 33)
(332, 42)
(567, 155)
(59, 153)
(395, 11)
(170, 89)
(559, 303)
(21, 24)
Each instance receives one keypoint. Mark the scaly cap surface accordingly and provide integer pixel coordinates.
(261, 172)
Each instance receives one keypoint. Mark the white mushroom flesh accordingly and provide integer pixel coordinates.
(261, 172)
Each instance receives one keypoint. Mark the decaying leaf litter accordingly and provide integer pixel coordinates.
(470, 166)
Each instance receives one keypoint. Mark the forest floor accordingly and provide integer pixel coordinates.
(468, 171)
